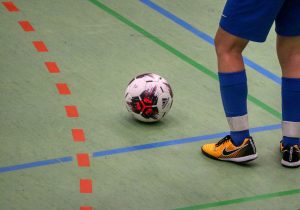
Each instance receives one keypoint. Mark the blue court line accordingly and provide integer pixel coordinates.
(132, 149)
(208, 38)
(36, 164)
(176, 142)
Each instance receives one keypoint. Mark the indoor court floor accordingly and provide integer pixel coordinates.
(67, 140)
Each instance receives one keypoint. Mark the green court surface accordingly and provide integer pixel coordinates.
(99, 46)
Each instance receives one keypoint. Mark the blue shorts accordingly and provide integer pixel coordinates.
(252, 19)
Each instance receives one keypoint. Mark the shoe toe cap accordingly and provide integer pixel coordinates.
(208, 148)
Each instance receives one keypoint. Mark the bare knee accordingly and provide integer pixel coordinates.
(226, 43)
(288, 50)
(229, 50)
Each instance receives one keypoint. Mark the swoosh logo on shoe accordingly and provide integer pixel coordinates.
(226, 153)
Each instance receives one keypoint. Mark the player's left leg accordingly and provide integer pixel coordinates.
(288, 50)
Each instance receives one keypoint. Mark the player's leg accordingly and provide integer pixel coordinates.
(241, 21)
(233, 83)
(229, 50)
(238, 146)
(288, 50)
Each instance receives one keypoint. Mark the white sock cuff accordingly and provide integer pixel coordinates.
(239, 123)
(291, 129)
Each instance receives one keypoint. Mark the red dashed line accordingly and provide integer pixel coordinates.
(63, 89)
(10, 6)
(83, 160)
(86, 208)
(26, 25)
(78, 135)
(71, 111)
(52, 67)
(86, 186)
(40, 46)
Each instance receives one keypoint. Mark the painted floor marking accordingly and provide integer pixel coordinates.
(180, 55)
(176, 142)
(71, 111)
(121, 150)
(26, 26)
(242, 200)
(86, 208)
(86, 186)
(63, 89)
(36, 164)
(52, 67)
(40, 46)
(83, 160)
(10, 6)
(78, 135)
(208, 39)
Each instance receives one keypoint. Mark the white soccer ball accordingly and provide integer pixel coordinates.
(148, 97)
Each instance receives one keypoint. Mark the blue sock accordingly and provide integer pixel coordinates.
(291, 111)
(234, 93)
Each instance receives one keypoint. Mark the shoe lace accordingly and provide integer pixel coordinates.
(222, 141)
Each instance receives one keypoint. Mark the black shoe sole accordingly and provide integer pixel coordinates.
(212, 157)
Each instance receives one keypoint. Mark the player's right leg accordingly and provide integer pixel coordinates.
(238, 146)
(241, 21)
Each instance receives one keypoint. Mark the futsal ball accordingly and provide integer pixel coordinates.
(148, 97)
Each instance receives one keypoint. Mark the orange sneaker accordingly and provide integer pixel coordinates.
(226, 150)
